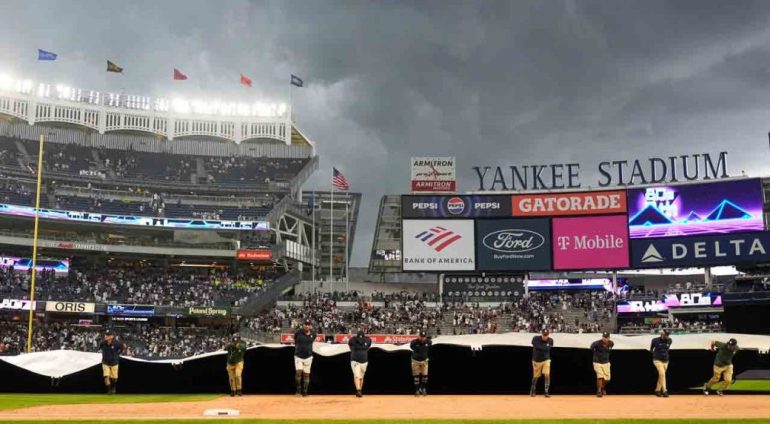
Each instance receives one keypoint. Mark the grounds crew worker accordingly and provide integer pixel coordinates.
(111, 350)
(723, 365)
(303, 357)
(541, 361)
(235, 353)
(659, 348)
(359, 359)
(420, 355)
(601, 349)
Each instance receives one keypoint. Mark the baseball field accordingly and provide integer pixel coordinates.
(373, 409)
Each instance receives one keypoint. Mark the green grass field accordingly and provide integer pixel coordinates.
(16, 401)
(746, 386)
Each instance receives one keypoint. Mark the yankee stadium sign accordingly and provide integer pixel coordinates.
(699, 166)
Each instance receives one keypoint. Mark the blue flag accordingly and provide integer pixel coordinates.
(311, 204)
(44, 55)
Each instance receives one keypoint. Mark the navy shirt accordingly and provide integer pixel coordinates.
(541, 349)
(111, 352)
(359, 349)
(420, 349)
(659, 348)
(601, 352)
(303, 343)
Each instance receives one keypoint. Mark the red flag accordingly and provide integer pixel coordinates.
(178, 75)
(245, 80)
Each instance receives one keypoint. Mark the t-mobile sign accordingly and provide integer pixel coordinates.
(596, 242)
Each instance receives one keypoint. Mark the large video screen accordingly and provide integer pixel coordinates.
(696, 209)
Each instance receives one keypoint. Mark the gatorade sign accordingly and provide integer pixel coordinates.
(562, 204)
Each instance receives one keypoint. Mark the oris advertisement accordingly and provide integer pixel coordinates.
(729, 249)
(591, 243)
(513, 244)
(484, 206)
(438, 245)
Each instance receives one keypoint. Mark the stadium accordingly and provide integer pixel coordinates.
(172, 259)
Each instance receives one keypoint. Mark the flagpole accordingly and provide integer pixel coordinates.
(312, 254)
(347, 243)
(331, 240)
(34, 244)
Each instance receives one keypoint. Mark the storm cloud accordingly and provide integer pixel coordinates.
(490, 82)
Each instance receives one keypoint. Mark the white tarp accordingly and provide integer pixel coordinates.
(59, 363)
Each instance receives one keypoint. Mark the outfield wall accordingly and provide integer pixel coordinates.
(459, 364)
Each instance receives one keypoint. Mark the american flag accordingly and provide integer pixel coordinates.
(339, 181)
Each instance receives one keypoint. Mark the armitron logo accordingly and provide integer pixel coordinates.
(513, 241)
(439, 238)
(455, 205)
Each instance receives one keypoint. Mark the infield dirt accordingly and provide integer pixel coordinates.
(409, 407)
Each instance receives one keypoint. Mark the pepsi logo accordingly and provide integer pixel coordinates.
(455, 205)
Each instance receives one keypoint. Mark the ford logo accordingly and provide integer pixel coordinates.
(513, 241)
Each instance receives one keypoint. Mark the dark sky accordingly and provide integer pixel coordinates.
(490, 82)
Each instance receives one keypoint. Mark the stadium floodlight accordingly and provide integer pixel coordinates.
(43, 90)
(180, 105)
(6, 82)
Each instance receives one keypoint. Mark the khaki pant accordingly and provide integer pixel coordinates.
(602, 371)
(110, 371)
(725, 373)
(662, 367)
(359, 369)
(234, 372)
(541, 368)
(419, 367)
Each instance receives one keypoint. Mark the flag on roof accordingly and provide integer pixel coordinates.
(339, 181)
(178, 75)
(111, 67)
(45, 55)
(245, 80)
(297, 81)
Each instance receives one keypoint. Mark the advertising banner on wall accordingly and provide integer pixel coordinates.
(194, 311)
(577, 203)
(723, 207)
(288, 338)
(482, 206)
(671, 301)
(17, 304)
(438, 245)
(253, 255)
(70, 307)
(377, 338)
(131, 310)
(513, 244)
(433, 174)
(727, 249)
(592, 242)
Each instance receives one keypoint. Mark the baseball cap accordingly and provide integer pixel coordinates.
(108, 333)
(423, 333)
(666, 331)
(236, 336)
(606, 335)
(360, 333)
(732, 342)
(545, 332)
(308, 322)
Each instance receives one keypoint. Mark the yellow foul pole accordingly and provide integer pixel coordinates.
(34, 244)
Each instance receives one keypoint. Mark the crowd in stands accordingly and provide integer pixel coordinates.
(144, 286)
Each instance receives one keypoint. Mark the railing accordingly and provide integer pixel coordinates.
(266, 298)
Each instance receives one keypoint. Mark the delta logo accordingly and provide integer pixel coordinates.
(438, 238)
(455, 205)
